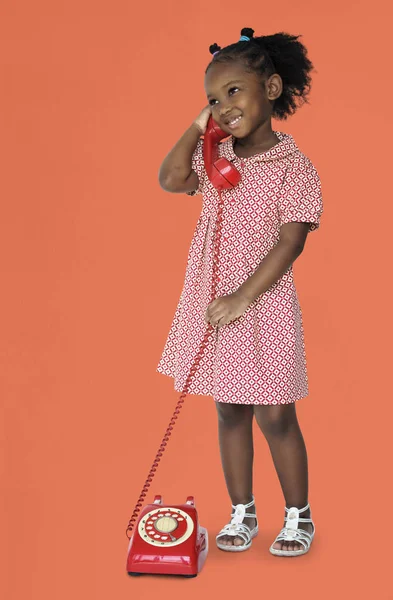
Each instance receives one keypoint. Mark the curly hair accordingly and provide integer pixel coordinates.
(280, 53)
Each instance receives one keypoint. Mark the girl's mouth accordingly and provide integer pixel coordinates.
(234, 123)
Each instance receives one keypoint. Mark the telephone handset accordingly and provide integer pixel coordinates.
(221, 172)
(168, 538)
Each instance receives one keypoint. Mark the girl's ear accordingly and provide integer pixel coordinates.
(274, 87)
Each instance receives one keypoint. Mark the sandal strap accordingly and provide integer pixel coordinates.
(282, 538)
(297, 535)
(239, 529)
(246, 505)
(292, 520)
(240, 512)
(299, 509)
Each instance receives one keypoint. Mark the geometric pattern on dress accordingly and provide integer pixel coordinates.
(260, 357)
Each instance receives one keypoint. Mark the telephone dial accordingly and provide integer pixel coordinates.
(168, 539)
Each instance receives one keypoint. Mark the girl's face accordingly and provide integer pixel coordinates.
(234, 93)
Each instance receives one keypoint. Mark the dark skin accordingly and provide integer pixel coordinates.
(253, 99)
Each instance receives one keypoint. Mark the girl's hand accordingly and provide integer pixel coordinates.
(202, 119)
(225, 309)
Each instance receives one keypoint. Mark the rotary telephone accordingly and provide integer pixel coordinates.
(168, 538)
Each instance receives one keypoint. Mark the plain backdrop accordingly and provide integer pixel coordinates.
(93, 255)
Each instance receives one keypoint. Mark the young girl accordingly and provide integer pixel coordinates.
(255, 363)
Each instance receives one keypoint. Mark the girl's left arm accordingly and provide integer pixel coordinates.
(292, 239)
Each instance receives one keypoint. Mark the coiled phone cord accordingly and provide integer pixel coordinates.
(180, 402)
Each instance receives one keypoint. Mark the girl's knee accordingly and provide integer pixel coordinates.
(276, 420)
(234, 414)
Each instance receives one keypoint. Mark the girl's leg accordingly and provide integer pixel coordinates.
(237, 453)
(281, 429)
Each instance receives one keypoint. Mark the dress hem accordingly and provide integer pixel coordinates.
(263, 403)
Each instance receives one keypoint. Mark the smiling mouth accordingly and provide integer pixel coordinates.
(234, 122)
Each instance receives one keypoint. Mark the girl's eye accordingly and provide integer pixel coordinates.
(229, 91)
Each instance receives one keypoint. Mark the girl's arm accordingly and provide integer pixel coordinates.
(176, 173)
(277, 262)
(300, 208)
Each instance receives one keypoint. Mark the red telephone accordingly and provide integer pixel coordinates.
(220, 170)
(168, 538)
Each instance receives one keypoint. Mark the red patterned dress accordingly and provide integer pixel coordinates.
(259, 358)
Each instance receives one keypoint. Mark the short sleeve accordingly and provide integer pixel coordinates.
(199, 167)
(301, 195)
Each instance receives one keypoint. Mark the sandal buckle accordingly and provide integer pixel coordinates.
(292, 521)
(238, 516)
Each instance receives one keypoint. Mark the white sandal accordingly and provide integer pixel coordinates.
(291, 533)
(237, 528)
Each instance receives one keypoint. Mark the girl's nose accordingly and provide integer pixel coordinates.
(225, 112)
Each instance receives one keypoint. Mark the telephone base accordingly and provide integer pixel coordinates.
(185, 576)
(168, 540)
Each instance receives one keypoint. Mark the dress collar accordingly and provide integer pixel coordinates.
(285, 147)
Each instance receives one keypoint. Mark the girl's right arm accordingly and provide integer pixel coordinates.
(176, 173)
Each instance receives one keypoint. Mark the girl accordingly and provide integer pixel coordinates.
(255, 364)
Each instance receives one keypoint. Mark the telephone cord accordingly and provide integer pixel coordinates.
(180, 402)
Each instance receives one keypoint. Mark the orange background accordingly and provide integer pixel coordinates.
(93, 255)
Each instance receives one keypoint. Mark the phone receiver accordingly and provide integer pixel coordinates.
(221, 172)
